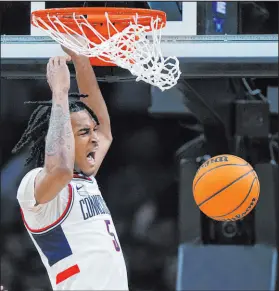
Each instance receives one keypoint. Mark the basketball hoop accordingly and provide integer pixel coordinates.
(114, 37)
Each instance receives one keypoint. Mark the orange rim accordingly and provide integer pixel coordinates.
(120, 17)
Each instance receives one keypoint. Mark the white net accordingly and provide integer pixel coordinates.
(129, 49)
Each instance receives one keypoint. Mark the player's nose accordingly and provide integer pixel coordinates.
(95, 138)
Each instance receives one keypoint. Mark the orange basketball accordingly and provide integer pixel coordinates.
(226, 187)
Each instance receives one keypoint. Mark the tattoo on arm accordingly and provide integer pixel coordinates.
(59, 137)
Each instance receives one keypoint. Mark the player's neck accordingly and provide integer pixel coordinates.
(79, 172)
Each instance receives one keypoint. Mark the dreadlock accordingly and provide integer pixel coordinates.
(37, 128)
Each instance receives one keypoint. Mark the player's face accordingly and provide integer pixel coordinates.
(86, 141)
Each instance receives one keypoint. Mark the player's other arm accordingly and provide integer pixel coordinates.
(59, 146)
(87, 84)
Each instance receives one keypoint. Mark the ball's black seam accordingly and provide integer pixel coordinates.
(216, 168)
(246, 197)
(227, 186)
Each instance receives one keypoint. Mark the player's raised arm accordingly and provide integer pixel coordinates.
(87, 84)
(59, 144)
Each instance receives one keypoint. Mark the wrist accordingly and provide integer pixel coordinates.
(60, 91)
(80, 59)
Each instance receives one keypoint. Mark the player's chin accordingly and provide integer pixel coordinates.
(88, 169)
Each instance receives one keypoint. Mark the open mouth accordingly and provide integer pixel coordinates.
(91, 157)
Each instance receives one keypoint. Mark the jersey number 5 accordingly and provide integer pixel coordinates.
(116, 245)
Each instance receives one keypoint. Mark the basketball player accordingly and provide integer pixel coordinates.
(61, 205)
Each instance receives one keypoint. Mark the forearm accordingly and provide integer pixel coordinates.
(85, 73)
(60, 147)
(88, 84)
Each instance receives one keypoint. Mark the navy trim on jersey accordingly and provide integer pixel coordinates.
(54, 245)
(51, 239)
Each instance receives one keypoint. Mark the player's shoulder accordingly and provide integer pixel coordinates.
(33, 171)
(28, 182)
(31, 175)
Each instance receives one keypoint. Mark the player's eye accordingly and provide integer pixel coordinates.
(85, 131)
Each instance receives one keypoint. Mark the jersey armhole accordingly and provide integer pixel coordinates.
(58, 221)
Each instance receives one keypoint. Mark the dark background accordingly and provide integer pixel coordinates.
(139, 177)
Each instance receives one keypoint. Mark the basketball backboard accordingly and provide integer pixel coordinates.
(199, 55)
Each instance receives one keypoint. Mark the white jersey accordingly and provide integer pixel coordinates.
(74, 235)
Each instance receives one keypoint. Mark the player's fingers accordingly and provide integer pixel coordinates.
(68, 58)
(50, 63)
(56, 61)
(62, 62)
(64, 59)
(49, 66)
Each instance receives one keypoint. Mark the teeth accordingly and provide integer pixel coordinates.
(90, 158)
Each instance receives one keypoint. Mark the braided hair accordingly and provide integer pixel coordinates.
(37, 128)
